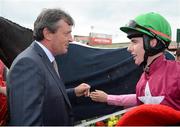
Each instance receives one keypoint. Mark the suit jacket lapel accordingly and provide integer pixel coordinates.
(50, 67)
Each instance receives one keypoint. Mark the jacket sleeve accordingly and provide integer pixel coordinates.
(71, 94)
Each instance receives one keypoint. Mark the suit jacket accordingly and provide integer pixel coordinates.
(36, 95)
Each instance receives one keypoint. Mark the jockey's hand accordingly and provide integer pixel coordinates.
(99, 96)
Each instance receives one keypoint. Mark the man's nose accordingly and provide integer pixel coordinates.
(71, 38)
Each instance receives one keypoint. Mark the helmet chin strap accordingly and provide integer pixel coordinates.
(147, 47)
(144, 63)
(150, 51)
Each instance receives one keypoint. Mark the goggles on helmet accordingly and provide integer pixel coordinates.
(134, 25)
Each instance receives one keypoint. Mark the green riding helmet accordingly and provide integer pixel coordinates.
(151, 24)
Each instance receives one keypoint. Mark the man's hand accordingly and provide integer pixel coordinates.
(82, 89)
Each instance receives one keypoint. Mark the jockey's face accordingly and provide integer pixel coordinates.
(136, 48)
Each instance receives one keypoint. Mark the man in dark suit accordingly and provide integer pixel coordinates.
(36, 93)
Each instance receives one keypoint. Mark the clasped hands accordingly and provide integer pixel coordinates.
(97, 95)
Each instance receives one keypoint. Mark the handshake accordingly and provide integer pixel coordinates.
(84, 90)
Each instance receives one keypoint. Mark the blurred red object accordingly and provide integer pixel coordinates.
(100, 123)
(3, 101)
(150, 115)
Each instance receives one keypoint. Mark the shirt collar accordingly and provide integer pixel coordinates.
(46, 50)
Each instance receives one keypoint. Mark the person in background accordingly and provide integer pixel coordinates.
(2, 87)
(169, 55)
(35, 90)
(178, 54)
(3, 99)
(150, 35)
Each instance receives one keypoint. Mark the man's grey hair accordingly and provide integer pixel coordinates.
(48, 18)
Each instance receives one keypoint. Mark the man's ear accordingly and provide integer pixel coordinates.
(47, 34)
(153, 42)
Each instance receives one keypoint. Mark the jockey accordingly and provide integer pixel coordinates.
(150, 35)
